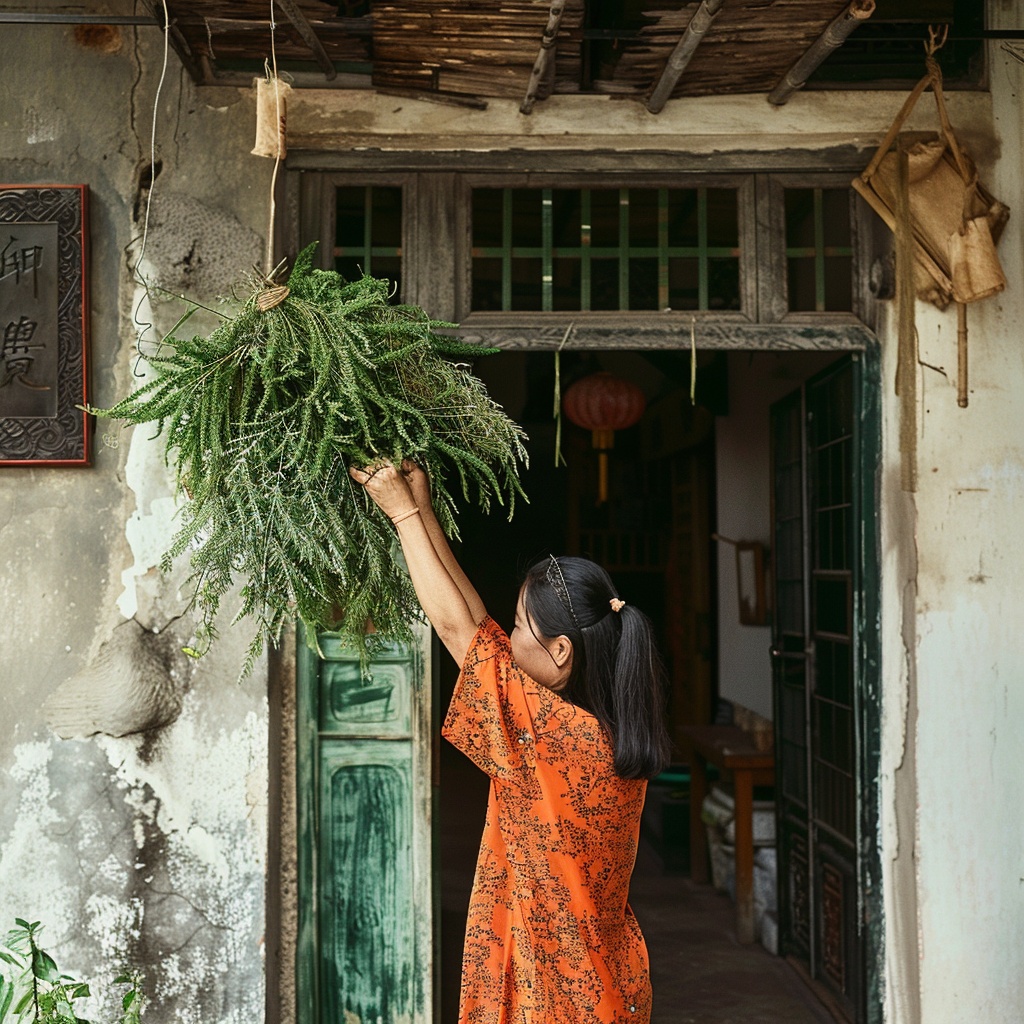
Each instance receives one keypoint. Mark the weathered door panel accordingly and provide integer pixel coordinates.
(365, 810)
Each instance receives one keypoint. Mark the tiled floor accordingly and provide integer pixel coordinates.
(700, 973)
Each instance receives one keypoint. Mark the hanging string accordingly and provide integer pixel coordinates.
(269, 261)
(693, 360)
(143, 327)
(557, 411)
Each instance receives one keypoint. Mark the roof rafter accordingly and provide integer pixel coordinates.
(830, 40)
(683, 52)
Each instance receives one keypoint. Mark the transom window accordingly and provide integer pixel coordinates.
(819, 249)
(593, 249)
(755, 248)
(368, 232)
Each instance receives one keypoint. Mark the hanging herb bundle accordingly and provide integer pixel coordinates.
(262, 420)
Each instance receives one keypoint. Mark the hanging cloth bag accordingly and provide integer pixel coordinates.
(955, 221)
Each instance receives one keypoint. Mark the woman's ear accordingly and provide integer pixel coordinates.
(561, 651)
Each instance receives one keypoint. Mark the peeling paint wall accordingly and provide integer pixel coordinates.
(141, 837)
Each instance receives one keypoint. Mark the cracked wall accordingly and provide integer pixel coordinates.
(133, 780)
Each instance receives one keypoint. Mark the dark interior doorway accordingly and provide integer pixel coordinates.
(653, 534)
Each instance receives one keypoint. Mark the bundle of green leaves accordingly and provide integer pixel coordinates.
(262, 420)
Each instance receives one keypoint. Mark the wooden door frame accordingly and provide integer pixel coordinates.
(439, 238)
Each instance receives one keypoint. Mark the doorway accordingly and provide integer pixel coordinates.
(673, 484)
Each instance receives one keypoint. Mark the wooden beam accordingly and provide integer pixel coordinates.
(684, 50)
(830, 40)
(545, 58)
(309, 37)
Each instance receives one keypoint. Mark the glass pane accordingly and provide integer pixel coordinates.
(566, 210)
(386, 222)
(565, 290)
(643, 283)
(487, 205)
(487, 283)
(604, 283)
(683, 282)
(839, 282)
(800, 282)
(682, 218)
(604, 221)
(836, 215)
(351, 218)
(526, 217)
(643, 219)
(832, 605)
(800, 218)
(526, 283)
(723, 218)
(723, 283)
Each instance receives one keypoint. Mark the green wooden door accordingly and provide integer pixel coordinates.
(365, 951)
(817, 582)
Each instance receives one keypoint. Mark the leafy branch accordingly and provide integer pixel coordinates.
(261, 421)
(33, 991)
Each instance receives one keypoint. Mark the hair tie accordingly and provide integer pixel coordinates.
(617, 604)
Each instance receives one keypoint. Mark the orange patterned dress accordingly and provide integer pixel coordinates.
(550, 938)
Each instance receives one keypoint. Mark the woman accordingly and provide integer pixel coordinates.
(566, 718)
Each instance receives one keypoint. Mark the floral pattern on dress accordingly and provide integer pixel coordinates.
(550, 937)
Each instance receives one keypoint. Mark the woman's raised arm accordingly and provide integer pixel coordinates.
(440, 595)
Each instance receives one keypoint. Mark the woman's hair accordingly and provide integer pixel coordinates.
(617, 673)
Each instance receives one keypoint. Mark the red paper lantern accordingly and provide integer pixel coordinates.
(603, 403)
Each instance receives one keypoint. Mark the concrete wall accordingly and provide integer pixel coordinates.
(141, 837)
(962, 659)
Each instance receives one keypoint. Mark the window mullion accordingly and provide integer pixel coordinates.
(585, 239)
(547, 235)
(624, 248)
(506, 249)
(702, 245)
(662, 248)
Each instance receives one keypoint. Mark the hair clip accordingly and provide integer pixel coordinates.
(617, 604)
(559, 587)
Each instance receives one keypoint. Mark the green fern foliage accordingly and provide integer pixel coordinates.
(262, 419)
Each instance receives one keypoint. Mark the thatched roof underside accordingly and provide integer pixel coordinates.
(486, 48)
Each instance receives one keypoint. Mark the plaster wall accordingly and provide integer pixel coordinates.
(141, 837)
(969, 673)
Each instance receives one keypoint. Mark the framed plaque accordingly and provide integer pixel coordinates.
(43, 325)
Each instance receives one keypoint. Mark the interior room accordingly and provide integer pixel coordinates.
(689, 498)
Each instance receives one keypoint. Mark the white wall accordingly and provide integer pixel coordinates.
(743, 495)
(966, 687)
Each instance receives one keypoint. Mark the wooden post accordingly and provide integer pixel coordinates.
(545, 58)
(683, 52)
(830, 40)
(309, 37)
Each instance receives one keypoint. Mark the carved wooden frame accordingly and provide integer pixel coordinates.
(42, 420)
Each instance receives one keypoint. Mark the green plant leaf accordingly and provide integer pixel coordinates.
(81, 990)
(129, 998)
(6, 997)
(23, 1002)
(43, 966)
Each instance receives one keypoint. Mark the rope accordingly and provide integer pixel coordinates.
(269, 260)
(142, 328)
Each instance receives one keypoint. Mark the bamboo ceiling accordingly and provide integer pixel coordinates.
(476, 49)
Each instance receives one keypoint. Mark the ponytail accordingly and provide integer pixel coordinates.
(617, 673)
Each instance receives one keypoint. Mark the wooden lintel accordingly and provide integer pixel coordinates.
(309, 37)
(683, 52)
(830, 40)
(545, 58)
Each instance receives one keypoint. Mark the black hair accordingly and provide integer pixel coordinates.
(617, 673)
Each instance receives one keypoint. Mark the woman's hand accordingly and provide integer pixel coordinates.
(419, 482)
(388, 487)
